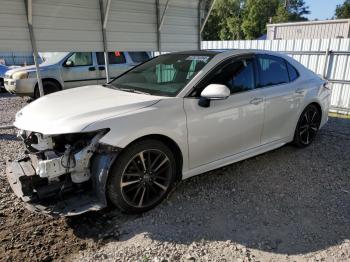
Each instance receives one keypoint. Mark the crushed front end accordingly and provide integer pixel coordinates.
(62, 174)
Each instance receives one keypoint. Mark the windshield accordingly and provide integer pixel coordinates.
(165, 75)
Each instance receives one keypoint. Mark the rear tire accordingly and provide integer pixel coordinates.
(307, 127)
(49, 88)
(142, 176)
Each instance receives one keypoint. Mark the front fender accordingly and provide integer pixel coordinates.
(166, 118)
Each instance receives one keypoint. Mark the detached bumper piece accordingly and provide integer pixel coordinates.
(59, 198)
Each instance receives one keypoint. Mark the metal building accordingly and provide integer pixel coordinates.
(17, 58)
(78, 25)
(101, 25)
(309, 30)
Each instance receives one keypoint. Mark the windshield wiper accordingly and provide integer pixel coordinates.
(126, 89)
(109, 85)
(133, 91)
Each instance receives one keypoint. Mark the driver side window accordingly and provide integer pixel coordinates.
(237, 75)
(80, 59)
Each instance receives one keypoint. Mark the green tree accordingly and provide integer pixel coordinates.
(343, 11)
(282, 15)
(247, 19)
(291, 11)
(256, 15)
(224, 22)
(297, 10)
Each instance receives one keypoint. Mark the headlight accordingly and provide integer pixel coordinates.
(20, 75)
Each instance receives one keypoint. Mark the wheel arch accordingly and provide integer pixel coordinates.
(317, 105)
(59, 84)
(313, 102)
(174, 147)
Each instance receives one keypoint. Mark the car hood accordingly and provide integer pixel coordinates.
(28, 69)
(70, 111)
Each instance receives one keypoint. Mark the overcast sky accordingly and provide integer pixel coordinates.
(322, 9)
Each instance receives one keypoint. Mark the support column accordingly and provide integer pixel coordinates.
(104, 19)
(326, 64)
(207, 16)
(199, 25)
(29, 11)
(159, 47)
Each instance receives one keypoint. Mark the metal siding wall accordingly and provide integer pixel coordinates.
(132, 25)
(65, 24)
(180, 28)
(17, 58)
(338, 64)
(75, 25)
(14, 33)
(310, 31)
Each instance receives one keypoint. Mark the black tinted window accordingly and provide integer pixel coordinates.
(113, 57)
(139, 57)
(293, 73)
(238, 76)
(273, 70)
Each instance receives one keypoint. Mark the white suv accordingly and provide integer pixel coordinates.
(67, 70)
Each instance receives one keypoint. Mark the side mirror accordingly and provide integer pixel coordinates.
(68, 63)
(213, 92)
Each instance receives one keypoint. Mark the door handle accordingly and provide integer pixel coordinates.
(92, 68)
(256, 101)
(300, 91)
(101, 68)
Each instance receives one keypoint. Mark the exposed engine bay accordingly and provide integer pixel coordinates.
(62, 174)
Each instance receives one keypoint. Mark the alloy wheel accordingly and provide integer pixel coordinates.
(309, 126)
(146, 178)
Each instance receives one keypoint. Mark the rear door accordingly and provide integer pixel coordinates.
(79, 70)
(280, 98)
(117, 65)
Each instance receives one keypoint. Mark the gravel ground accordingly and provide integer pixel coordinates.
(285, 205)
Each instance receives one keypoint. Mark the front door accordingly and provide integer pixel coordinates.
(79, 70)
(230, 126)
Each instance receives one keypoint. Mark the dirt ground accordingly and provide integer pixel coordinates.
(286, 205)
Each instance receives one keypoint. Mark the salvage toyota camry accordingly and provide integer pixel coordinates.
(178, 115)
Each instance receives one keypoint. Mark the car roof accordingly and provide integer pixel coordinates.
(223, 53)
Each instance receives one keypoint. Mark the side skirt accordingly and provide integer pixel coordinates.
(236, 158)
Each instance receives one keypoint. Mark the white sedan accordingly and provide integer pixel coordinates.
(178, 115)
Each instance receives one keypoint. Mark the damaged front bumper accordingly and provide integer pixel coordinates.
(19, 174)
(57, 194)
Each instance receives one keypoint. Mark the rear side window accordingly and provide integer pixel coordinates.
(113, 57)
(273, 70)
(139, 57)
(293, 73)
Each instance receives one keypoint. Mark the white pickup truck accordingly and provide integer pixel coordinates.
(67, 70)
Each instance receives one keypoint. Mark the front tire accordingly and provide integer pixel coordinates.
(49, 88)
(142, 176)
(307, 127)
